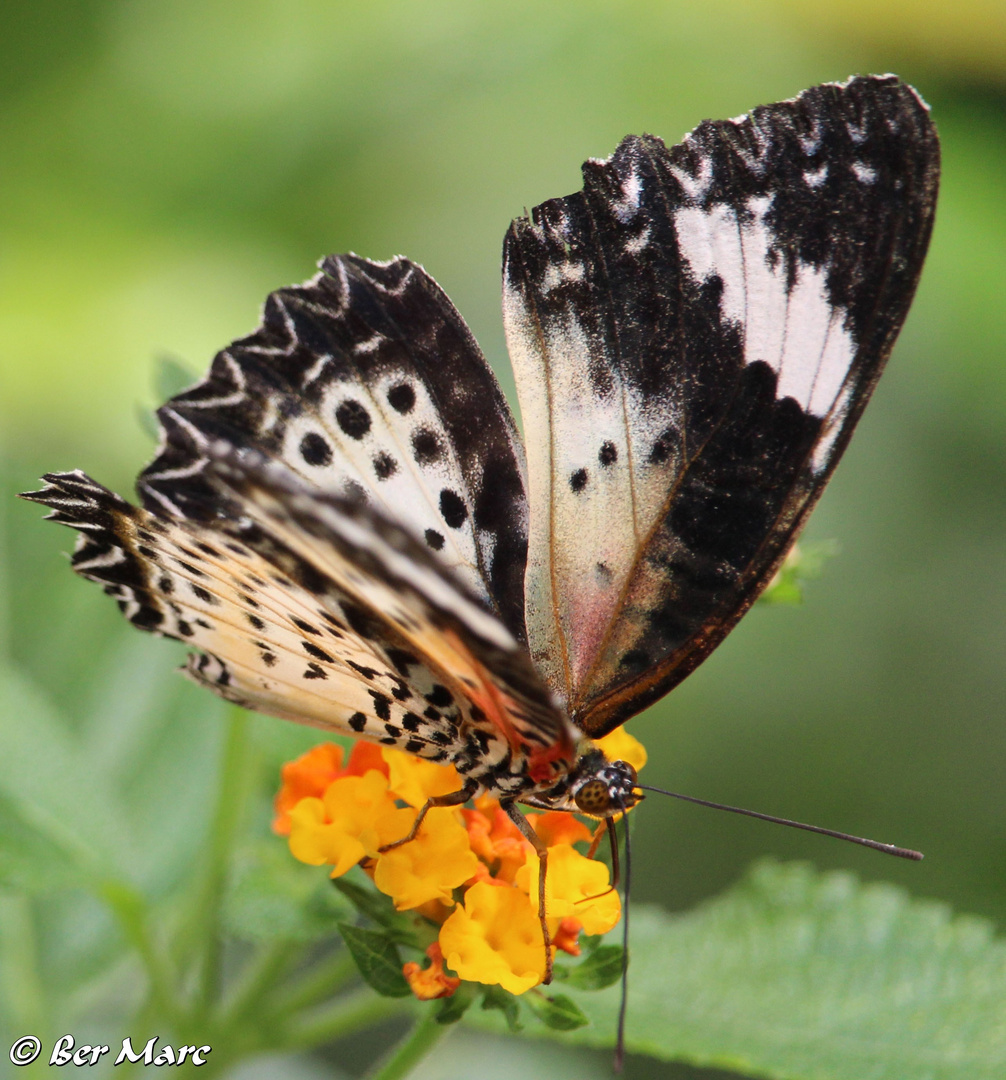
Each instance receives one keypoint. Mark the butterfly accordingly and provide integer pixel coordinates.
(344, 523)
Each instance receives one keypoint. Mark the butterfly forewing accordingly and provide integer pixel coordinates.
(694, 335)
(366, 382)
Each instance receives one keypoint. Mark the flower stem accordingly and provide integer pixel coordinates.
(321, 982)
(344, 1016)
(411, 1050)
(226, 817)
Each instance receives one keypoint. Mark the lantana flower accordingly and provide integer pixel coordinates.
(469, 872)
(356, 817)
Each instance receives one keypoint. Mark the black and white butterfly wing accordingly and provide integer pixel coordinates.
(365, 382)
(317, 608)
(694, 336)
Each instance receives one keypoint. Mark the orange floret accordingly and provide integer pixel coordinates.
(567, 937)
(307, 776)
(558, 827)
(495, 839)
(432, 981)
(310, 774)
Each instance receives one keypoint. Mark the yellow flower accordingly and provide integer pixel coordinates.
(494, 937)
(575, 886)
(312, 772)
(355, 817)
(344, 814)
(430, 866)
(621, 746)
(414, 780)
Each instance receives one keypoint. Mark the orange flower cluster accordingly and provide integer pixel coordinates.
(469, 870)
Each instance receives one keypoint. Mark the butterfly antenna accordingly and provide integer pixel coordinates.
(620, 1039)
(876, 845)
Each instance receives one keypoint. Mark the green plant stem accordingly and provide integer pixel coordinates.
(320, 982)
(21, 989)
(258, 980)
(231, 794)
(130, 909)
(411, 1050)
(344, 1016)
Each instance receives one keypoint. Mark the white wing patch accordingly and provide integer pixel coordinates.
(580, 549)
(400, 459)
(794, 328)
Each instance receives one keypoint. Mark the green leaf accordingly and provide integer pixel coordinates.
(557, 1011)
(598, 970)
(171, 377)
(495, 997)
(376, 906)
(797, 975)
(804, 563)
(49, 784)
(30, 860)
(147, 419)
(275, 898)
(450, 1010)
(377, 958)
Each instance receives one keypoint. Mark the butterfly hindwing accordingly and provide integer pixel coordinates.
(366, 382)
(694, 336)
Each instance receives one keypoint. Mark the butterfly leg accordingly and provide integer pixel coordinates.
(541, 849)
(453, 798)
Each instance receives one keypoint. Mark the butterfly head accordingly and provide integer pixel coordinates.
(602, 788)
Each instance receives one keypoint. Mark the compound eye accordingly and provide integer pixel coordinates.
(593, 798)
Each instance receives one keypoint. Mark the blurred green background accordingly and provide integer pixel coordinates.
(163, 166)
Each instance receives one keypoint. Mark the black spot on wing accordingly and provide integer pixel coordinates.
(353, 418)
(314, 449)
(385, 466)
(402, 398)
(402, 659)
(312, 650)
(367, 672)
(453, 508)
(382, 705)
(426, 447)
(440, 696)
